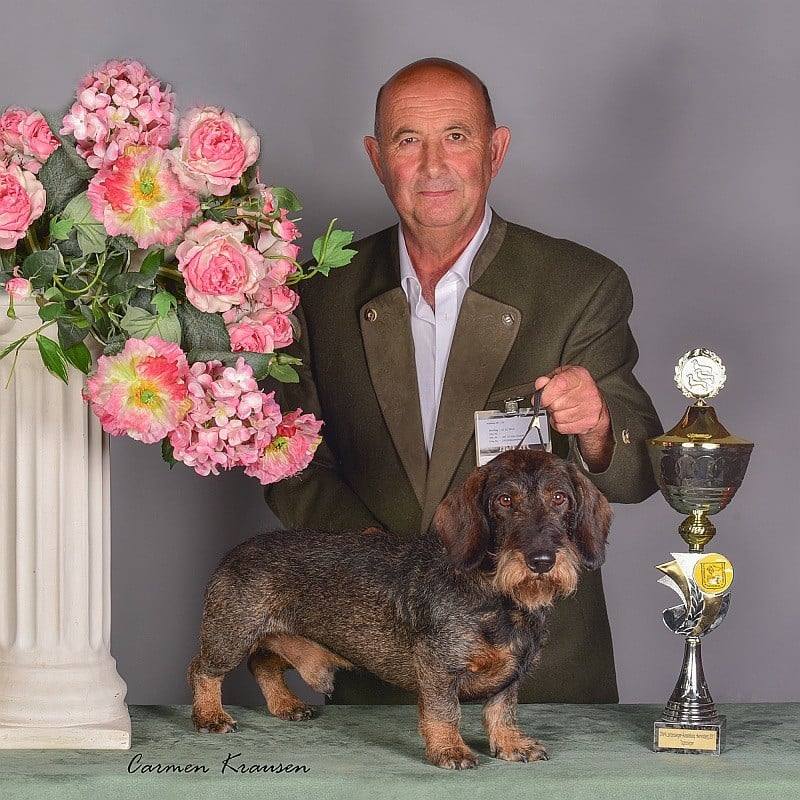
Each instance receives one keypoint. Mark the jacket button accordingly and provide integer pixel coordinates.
(508, 319)
(370, 314)
(626, 436)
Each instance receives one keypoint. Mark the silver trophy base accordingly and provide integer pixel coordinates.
(690, 723)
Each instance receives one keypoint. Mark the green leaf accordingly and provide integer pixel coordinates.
(153, 261)
(53, 357)
(60, 228)
(72, 330)
(91, 233)
(201, 330)
(65, 173)
(79, 356)
(50, 311)
(285, 198)
(164, 302)
(39, 267)
(13, 346)
(284, 373)
(123, 242)
(168, 452)
(140, 324)
(331, 250)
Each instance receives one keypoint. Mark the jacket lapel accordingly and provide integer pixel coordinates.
(485, 333)
(386, 332)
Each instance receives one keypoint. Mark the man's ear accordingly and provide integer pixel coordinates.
(501, 138)
(374, 152)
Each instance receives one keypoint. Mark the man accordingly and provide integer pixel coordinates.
(455, 311)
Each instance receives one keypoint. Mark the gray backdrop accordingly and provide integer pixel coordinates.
(663, 134)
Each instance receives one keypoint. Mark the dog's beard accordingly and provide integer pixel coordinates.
(531, 590)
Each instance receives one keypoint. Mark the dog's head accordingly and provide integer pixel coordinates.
(528, 518)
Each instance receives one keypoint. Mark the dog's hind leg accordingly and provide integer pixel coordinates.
(208, 714)
(506, 740)
(268, 669)
(276, 653)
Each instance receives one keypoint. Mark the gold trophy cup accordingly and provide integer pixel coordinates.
(698, 466)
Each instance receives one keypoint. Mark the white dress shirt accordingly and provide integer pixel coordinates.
(432, 331)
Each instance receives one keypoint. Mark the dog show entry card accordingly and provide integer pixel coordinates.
(498, 431)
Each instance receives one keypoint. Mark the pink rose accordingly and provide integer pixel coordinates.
(262, 331)
(22, 200)
(11, 126)
(18, 288)
(218, 267)
(281, 298)
(37, 138)
(215, 149)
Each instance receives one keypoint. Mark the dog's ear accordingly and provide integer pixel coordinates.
(591, 521)
(461, 523)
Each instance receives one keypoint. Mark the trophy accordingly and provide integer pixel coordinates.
(698, 466)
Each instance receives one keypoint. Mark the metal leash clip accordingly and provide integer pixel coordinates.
(534, 423)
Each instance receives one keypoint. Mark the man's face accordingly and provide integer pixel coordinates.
(436, 153)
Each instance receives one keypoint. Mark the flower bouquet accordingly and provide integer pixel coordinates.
(154, 238)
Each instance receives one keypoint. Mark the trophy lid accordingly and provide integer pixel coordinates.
(699, 374)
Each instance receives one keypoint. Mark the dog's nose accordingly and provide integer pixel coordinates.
(542, 562)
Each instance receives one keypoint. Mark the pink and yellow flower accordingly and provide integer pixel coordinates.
(139, 195)
(291, 450)
(119, 104)
(215, 149)
(142, 391)
(220, 269)
(22, 201)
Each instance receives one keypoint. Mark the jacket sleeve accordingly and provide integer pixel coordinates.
(602, 342)
(318, 497)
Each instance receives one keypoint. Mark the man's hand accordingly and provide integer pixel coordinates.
(576, 406)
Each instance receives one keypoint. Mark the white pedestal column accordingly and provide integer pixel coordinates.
(59, 686)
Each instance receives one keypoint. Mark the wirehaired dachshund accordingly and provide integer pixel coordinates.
(459, 614)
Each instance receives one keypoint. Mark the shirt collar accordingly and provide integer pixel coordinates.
(461, 267)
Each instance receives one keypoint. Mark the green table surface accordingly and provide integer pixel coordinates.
(375, 752)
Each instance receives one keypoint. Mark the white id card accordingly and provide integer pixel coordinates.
(498, 431)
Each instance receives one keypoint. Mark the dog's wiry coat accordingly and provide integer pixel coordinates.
(459, 615)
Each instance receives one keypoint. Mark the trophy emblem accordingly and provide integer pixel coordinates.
(698, 465)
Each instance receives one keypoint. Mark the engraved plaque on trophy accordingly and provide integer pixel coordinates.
(698, 466)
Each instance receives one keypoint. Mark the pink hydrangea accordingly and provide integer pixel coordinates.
(219, 268)
(26, 138)
(139, 195)
(117, 105)
(142, 391)
(22, 201)
(215, 149)
(230, 423)
(290, 451)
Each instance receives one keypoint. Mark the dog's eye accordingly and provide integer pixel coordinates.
(504, 500)
(559, 498)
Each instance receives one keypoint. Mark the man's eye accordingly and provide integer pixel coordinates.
(457, 137)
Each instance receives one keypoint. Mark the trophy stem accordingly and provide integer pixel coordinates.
(697, 530)
(691, 700)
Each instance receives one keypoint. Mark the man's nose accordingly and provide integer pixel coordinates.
(432, 158)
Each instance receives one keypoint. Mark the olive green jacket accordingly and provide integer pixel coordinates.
(534, 303)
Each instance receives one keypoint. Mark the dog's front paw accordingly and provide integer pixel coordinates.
(453, 758)
(222, 723)
(521, 749)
